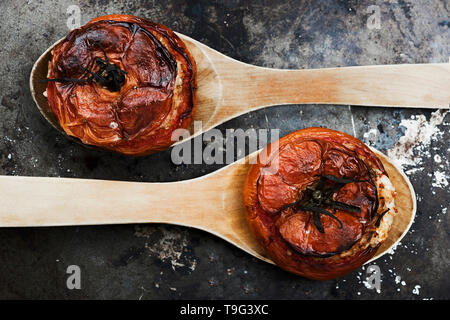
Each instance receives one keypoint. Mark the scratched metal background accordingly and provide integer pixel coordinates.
(157, 261)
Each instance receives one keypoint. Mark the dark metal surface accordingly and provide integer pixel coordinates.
(156, 261)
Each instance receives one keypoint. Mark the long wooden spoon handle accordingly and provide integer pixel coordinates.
(33, 201)
(406, 85)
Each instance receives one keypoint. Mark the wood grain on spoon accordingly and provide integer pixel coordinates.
(228, 88)
(212, 203)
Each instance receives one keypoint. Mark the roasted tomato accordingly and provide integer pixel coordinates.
(320, 203)
(122, 83)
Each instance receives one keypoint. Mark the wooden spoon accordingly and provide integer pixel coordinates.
(212, 203)
(228, 88)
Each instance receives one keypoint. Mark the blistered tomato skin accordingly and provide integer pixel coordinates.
(288, 232)
(157, 96)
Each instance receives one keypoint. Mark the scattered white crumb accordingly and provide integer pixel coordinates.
(440, 180)
(170, 247)
(416, 290)
(113, 125)
(414, 146)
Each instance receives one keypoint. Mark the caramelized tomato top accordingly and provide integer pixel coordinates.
(294, 172)
(156, 97)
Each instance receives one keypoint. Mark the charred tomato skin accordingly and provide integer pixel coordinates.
(267, 221)
(158, 96)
